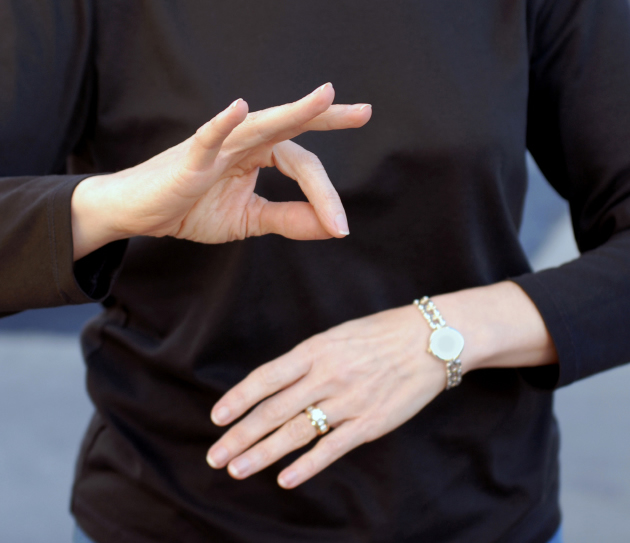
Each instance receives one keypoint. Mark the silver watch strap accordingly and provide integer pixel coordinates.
(436, 321)
(430, 312)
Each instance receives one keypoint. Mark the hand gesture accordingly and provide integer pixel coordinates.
(203, 188)
(368, 376)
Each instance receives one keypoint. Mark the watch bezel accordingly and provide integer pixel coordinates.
(434, 338)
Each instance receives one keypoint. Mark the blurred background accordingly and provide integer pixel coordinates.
(44, 410)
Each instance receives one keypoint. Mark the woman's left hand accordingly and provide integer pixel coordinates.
(368, 376)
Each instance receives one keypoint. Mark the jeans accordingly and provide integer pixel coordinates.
(80, 537)
(558, 537)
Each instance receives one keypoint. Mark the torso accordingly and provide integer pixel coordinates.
(433, 187)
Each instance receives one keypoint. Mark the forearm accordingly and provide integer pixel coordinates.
(501, 326)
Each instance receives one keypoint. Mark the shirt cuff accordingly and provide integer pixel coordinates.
(89, 279)
(550, 376)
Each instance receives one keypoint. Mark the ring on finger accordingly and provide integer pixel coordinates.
(318, 419)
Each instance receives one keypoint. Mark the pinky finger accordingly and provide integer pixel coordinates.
(207, 141)
(329, 448)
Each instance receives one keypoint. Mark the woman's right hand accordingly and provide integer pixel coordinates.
(203, 188)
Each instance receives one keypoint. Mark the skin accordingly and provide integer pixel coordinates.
(369, 375)
(203, 189)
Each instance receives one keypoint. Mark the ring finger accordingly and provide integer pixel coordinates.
(264, 418)
(294, 434)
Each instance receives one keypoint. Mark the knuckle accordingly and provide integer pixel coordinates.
(334, 446)
(370, 430)
(269, 374)
(330, 195)
(253, 116)
(262, 456)
(316, 346)
(299, 431)
(310, 164)
(308, 465)
(310, 160)
(237, 397)
(198, 135)
(252, 124)
(346, 377)
(204, 134)
(273, 410)
(369, 435)
(239, 439)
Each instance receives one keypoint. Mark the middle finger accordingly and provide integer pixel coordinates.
(293, 435)
(265, 417)
(280, 122)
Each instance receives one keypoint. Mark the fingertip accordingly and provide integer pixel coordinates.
(288, 480)
(326, 93)
(239, 108)
(220, 416)
(341, 225)
(224, 122)
(240, 104)
(211, 461)
(364, 113)
(323, 88)
(366, 109)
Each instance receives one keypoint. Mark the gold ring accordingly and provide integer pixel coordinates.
(317, 418)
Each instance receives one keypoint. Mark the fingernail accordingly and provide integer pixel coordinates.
(318, 89)
(342, 224)
(235, 103)
(222, 414)
(287, 480)
(239, 467)
(217, 457)
(365, 106)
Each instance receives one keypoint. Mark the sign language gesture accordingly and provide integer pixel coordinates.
(203, 188)
(368, 376)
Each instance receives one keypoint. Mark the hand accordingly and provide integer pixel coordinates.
(368, 376)
(203, 189)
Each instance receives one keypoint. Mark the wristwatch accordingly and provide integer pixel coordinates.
(445, 342)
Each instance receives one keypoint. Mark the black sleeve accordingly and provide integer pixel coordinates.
(579, 134)
(45, 93)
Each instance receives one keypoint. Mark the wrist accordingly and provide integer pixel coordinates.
(93, 215)
(461, 311)
(501, 327)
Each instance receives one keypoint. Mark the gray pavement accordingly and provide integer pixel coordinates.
(43, 412)
(595, 458)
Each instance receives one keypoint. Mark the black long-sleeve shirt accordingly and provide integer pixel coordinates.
(433, 187)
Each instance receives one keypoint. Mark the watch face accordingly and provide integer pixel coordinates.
(446, 343)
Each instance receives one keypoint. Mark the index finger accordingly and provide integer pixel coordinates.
(260, 383)
(281, 122)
